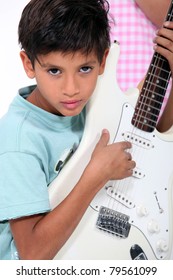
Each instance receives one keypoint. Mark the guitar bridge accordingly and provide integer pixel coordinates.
(113, 222)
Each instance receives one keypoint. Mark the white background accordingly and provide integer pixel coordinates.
(12, 75)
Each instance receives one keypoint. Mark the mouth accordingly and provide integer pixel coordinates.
(72, 104)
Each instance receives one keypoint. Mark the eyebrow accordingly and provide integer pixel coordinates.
(49, 65)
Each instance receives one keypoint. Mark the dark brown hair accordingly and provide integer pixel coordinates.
(66, 26)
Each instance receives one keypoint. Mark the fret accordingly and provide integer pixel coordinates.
(147, 121)
(149, 95)
(160, 83)
(158, 56)
(149, 107)
(158, 63)
(146, 99)
(170, 17)
(146, 116)
(156, 84)
(161, 69)
(152, 94)
(153, 91)
(157, 76)
(148, 112)
(170, 12)
(145, 126)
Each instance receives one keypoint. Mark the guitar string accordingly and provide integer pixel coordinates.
(151, 82)
(125, 186)
(157, 59)
(146, 91)
(161, 60)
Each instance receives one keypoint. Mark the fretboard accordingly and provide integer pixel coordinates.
(152, 94)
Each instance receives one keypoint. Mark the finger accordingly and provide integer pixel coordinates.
(164, 32)
(164, 42)
(126, 145)
(128, 155)
(132, 164)
(168, 24)
(104, 139)
(130, 172)
(167, 53)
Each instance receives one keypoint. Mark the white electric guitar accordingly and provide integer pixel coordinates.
(136, 211)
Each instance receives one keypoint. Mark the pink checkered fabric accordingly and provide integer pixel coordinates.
(135, 33)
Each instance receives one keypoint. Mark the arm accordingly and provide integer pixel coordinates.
(166, 120)
(164, 45)
(155, 10)
(42, 236)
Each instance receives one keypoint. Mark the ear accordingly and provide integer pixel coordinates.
(103, 63)
(27, 65)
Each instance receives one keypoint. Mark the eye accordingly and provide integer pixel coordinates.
(54, 71)
(86, 69)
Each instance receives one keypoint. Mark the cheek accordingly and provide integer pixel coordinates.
(91, 86)
(89, 89)
(44, 85)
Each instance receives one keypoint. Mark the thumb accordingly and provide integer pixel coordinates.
(104, 139)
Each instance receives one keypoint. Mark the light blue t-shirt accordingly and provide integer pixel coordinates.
(32, 144)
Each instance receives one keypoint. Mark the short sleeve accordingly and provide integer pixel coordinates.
(23, 186)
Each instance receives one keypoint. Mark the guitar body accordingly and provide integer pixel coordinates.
(141, 205)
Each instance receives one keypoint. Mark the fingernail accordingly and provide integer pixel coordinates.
(105, 130)
(166, 23)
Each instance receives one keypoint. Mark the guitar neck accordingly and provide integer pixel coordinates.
(152, 94)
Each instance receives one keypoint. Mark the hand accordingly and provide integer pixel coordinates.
(164, 42)
(112, 162)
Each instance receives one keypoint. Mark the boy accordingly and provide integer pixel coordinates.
(64, 47)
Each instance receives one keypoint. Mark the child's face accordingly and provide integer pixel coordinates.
(64, 82)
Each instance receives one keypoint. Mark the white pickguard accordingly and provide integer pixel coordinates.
(149, 190)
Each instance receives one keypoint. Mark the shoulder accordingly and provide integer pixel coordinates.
(10, 125)
(18, 128)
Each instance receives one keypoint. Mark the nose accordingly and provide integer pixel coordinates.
(70, 86)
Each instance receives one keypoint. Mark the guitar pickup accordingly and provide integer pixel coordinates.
(120, 197)
(137, 173)
(137, 140)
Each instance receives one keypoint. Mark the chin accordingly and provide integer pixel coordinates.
(72, 113)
